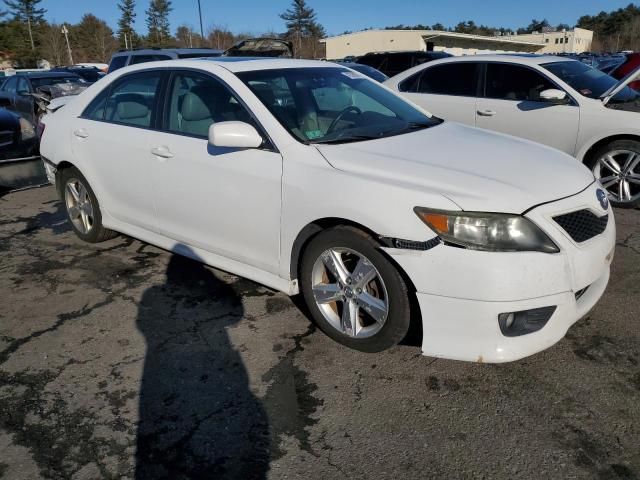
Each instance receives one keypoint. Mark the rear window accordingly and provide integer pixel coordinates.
(198, 55)
(41, 82)
(148, 58)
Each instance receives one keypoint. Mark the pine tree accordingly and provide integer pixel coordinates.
(300, 21)
(125, 23)
(158, 22)
(27, 12)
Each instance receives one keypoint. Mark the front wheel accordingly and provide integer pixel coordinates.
(355, 294)
(617, 167)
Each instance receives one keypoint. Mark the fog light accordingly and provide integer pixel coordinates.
(515, 324)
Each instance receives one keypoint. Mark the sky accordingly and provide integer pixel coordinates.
(257, 16)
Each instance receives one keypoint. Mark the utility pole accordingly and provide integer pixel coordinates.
(65, 30)
(200, 13)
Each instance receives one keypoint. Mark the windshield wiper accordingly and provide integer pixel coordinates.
(347, 139)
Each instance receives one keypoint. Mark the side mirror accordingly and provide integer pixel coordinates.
(234, 135)
(553, 95)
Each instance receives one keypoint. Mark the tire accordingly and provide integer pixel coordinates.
(619, 177)
(366, 283)
(80, 202)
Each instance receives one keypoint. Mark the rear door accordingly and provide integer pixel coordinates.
(511, 104)
(447, 90)
(111, 139)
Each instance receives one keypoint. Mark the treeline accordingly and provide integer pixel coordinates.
(616, 30)
(26, 37)
(470, 27)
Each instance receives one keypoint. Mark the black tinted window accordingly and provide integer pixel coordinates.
(197, 101)
(10, 85)
(132, 98)
(23, 85)
(458, 79)
(117, 62)
(513, 82)
(148, 58)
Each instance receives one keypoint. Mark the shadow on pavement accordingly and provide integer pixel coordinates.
(198, 418)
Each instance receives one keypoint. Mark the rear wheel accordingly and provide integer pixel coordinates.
(355, 294)
(617, 167)
(82, 207)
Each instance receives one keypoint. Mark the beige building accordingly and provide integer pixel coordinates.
(359, 43)
(571, 41)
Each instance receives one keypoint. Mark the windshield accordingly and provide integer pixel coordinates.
(333, 105)
(588, 81)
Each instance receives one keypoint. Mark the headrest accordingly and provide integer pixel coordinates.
(131, 105)
(194, 107)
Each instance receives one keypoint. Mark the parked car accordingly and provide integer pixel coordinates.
(556, 101)
(123, 58)
(88, 74)
(28, 93)
(306, 178)
(261, 47)
(393, 63)
(370, 72)
(18, 137)
(630, 63)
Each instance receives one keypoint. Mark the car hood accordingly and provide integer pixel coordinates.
(476, 169)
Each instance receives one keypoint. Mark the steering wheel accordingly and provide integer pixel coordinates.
(350, 108)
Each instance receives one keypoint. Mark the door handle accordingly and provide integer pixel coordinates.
(162, 152)
(486, 113)
(81, 133)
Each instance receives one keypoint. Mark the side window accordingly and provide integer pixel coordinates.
(458, 79)
(117, 62)
(513, 82)
(132, 98)
(11, 85)
(148, 58)
(95, 110)
(196, 101)
(398, 62)
(23, 85)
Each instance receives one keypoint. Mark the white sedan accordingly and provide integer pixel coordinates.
(310, 178)
(553, 100)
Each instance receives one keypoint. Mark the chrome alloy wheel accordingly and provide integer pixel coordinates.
(350, 292)
(619, 173)
(79, 205)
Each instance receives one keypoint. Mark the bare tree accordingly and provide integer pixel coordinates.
(53, 47)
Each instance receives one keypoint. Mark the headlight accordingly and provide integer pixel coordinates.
(27, 131)
(487, 231)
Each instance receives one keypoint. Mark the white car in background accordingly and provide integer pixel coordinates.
(552, 100)
(310, 177)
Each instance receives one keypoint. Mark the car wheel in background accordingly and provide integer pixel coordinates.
(355, 294)
(617, 167)
(82, 207)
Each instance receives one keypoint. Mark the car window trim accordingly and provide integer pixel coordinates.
(115, 82)
(483, 90)
(268, 144)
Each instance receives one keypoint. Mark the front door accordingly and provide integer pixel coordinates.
(223, 200)
(511, 104)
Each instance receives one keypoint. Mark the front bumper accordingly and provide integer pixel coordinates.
(461, 292)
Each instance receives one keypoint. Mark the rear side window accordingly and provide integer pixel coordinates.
(132, 98)
(117, 62)
(513, 82)
(10, 85)
(457, 79)
(148, 58)
(96, 109)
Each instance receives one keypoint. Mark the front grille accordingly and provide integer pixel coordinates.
(582, 225)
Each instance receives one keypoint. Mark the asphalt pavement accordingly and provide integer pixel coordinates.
(120, 360)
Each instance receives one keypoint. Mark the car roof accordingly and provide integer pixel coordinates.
(233, 64)
(521, 58)
(47, 74)
(148, 51)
